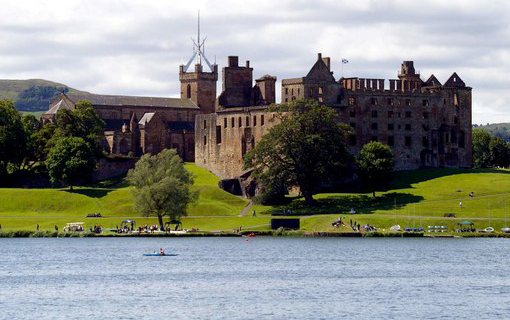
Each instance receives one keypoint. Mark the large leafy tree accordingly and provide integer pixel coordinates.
(306, 149)
(81, 122)
(162, 186)
(70, 161)
(12, 137)
(374, 165)
(31, 127)
(499, 152)
(481, 148)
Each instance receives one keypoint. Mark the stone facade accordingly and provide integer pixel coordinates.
(426, 124)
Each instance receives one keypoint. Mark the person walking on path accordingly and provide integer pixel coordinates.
(37, 227)
(460, 205)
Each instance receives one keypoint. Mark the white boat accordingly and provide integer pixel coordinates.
(505, 230)
(395, 228)
(489, 229)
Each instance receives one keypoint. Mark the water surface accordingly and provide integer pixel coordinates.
(263, 278)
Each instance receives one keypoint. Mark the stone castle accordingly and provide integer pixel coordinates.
(426, 123)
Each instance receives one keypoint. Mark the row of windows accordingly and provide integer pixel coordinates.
(391, 140)
(390, 114)
(240, 121)
(391, 126)
(407, 102)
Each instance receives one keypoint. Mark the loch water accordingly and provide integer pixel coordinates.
(255, 278)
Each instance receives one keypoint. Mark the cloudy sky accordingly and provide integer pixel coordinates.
(135, 47)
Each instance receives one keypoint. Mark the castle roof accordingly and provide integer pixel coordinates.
(454, 81)
(136, 101)
(146, 118)
(64, 103)
(432, 82)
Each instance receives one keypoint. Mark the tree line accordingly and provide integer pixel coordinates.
(489, 151)
(66, 149)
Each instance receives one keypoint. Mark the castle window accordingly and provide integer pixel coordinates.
(453, 136)
(218, 134)
(352, 140)
(455, 120)
(311, 92)
(262, 120)
(352, 113)
(205, 140)
(390, 114)
(408, 127)
(254, 121)
(374, 139)
(391, 141)
(321, 90)
(425, 115)
(407, 141)
(455, 99)
(425, 103)
(461, 139)
(425, 127)
(373, 101)
(247, 121)
(390, 101)
(374, 113)
(352, 101)
(298, 91)
(232, 122)
(286, 99)
(408, 102)
(425, 142)
(408, 114)
(321, 99)
(205, 124)
(286, 90)
(188, 91)
(225, 123)
(353, 125)
(390, 126)
(374, 126)
(240, 122)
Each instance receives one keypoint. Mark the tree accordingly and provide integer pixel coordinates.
(70, 160)
(31, 127)
(81, 122)
(481, 151)
(499, 152)
(162, 186)
(12, 137)
(306, 149)
(375, 164)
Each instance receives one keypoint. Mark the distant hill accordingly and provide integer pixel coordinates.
(33, 94)
(501, 130)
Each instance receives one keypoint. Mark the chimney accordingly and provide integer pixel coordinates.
(233, 61)
(327, 62)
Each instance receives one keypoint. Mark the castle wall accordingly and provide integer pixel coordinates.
(223, 138)
(426, 128)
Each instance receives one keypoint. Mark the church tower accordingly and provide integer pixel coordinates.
(199, 86)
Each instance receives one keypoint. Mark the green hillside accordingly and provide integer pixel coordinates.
(417, 198)
(500, 130)
(38, 91)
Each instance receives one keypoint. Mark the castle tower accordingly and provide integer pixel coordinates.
(199, 86)
(409, 78)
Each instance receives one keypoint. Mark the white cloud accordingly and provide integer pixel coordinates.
(135, 47)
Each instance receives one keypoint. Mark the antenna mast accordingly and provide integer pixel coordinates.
(198, 50)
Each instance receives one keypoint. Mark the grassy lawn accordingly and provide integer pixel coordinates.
(25, 208)
(416, 198)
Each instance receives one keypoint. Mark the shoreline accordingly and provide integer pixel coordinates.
(274, 233)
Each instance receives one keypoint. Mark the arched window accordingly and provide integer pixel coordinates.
(188, 91)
